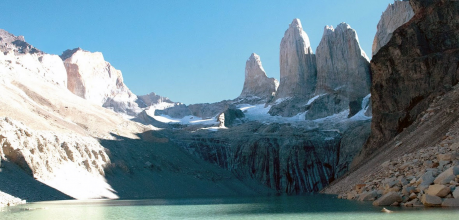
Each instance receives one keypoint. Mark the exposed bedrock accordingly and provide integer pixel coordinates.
(288, 159)
(93, 78)
(297, 64)
(257, 85)
(420, 62)
(341, 64)
(395, 16)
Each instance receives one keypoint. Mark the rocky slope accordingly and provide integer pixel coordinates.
(92, 78)
(415, 124)
(395, 16)
(257, 85)
(298, 70)
(69, 147)
(416, 65)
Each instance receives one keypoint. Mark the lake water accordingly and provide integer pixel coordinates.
(315, 207)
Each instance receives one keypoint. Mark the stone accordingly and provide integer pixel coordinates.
(447, 175)
(342, 65)
(450, 202)
(257, 85)
(445, 157)
(395, 16)
(388, 199)
(368, 196)
(429, 200)
(456, 193)
(438, 190)
(298, 71)
(417, 64)
(426, 179)
(94, 79)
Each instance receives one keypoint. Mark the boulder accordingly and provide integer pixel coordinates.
(450, 202)
(447, 175)
(429, 200)
(438, 190)
(388, 199)
(368, 196)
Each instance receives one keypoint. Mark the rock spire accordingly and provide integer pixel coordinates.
(298, 70)
(257, 84)
(341, 64)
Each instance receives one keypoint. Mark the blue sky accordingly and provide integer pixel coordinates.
(190, 51)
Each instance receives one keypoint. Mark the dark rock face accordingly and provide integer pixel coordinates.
(420, 62)
(327, 105)
(285, 158)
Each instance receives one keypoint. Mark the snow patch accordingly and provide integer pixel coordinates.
(360, 116)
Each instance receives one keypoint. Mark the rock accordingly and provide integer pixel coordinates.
(17, 44)
(298, 71)
(152, 99)
(388, 199)
(326, 105)
(450, 203)
(395, 16)
(438, 190)
(368, 196)
(48, 66)
(429, 200)
(386, 210)
(417, 64)
(456, 193)
(92, 78)
(257, 85)
(342, 66)
(447, 175)
(426, 179)
(445, 157)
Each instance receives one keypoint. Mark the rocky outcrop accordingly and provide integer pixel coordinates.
(69, 163)
(151, 99)
(419, 63)
(298, 70)
(257, 85)
(16, 49)
(395, 16)
(17, 44)
(93, 78)
(342, 66)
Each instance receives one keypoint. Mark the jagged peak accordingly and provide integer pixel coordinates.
(69, 53)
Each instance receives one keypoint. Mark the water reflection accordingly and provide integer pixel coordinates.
(285, 207)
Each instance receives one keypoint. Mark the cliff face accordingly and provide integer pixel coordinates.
(395, 16)
(419, 63)
(298, 70)
(93, 78)
(282, 157)
(341, 64)
(257, 85)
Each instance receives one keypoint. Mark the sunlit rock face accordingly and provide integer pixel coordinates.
(395, 16)
(94, 79)
(342, 64)
(16, 49)
(257, 85)
(298, 70)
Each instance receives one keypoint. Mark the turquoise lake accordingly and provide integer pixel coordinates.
(283, 207)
